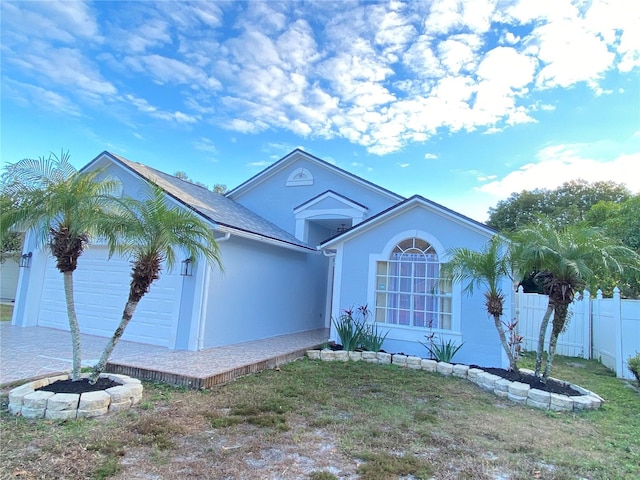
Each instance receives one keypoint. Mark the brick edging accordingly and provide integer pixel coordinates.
(29, 402)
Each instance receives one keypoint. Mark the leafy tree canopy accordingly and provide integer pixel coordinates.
(621, 222)
(566, 205)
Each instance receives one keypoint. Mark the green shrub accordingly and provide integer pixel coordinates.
(349, 330)
(372, 339)
(444, 352)
(355, 331)
(634, 365)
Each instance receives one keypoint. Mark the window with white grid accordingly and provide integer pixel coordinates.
(409, 290)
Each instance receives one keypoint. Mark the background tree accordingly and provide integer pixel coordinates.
(64, 209)
(565, 260)
(485, 269)
(620, 221)
(218, 187)
(563, 206)
(152, 232)
(10, 241)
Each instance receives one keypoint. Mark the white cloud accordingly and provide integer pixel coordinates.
(259, 164)
(430, 156)
(187, 15)
(570, 54)
(169, 70)
(506, 67)
(560, 163)
(456, 55)
(61, 21)
(144, 106)
(38, 97)
(66, 67)
(205, 145)
(143, 37)
(381, 75)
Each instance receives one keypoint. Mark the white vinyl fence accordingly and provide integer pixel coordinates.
(605, 329)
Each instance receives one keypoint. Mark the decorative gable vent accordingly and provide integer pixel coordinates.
(300, 177)
(118, 188)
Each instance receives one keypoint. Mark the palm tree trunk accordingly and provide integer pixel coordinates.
(559, 322)
(73, 325)
(505, 344)
(553, 342)
(129, 309)
(543, 331)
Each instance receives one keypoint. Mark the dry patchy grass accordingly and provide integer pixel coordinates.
(323, 421)
(6, 311)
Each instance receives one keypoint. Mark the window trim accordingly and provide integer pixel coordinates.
(385, 255)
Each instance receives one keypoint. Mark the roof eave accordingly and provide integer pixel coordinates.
(397, 210)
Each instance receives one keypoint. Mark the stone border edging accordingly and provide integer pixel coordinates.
(28, 402)
(515, 391)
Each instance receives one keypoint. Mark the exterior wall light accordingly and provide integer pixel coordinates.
(25, 260)
(186, 269)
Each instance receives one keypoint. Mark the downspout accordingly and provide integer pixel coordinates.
(205, 298)
(330, 281)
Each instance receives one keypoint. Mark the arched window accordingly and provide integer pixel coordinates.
(409, 290)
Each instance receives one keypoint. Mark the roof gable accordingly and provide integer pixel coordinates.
(224, 213)
(415, 201)
(338, 199)
(296, 155)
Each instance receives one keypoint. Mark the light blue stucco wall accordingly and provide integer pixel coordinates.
(275, 201)
(354, 267)
(265, 291)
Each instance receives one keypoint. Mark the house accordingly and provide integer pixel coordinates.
(300, 241)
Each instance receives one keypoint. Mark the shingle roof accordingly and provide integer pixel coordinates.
(217, 208)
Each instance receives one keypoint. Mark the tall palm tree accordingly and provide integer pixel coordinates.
(486, 269)
(152, 232)
(64, 208)
(565, 260)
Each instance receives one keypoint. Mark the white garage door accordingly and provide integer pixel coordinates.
(101, 287)
(9, 271)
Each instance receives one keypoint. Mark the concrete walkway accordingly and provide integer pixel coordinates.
(30, 352)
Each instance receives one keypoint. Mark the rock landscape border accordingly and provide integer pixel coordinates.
(29, 402)
(517, 392)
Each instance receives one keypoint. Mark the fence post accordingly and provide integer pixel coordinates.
(596, 324)
(617, 325)
(518, 311)
(586, 324)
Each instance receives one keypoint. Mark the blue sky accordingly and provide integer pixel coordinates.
(463, 102)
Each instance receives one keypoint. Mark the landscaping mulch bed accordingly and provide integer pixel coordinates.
(79, 386)
(551, 386)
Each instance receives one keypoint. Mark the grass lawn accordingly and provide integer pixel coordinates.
(5, 313)
(323, 420)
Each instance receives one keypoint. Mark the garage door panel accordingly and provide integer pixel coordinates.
(101, 287)
(9, 272)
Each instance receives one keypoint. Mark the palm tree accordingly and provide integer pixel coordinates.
(486, 268)
(152, 232)
(64, 208)
(565, 260)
